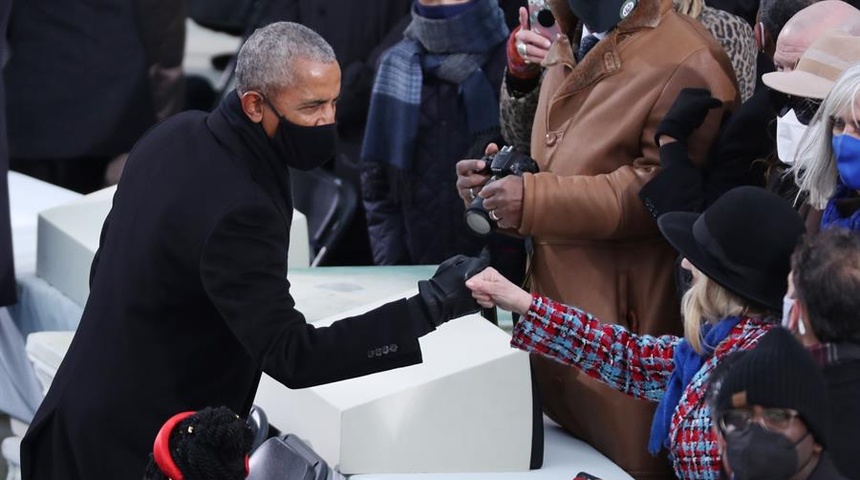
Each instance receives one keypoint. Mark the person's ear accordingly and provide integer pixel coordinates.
(805, 329)
(252, 105)
(793, 316)
(760, 34)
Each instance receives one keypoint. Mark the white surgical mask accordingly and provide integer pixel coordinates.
(789, 131)
(787, 306)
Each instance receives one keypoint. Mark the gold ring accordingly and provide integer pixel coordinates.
(522, 49)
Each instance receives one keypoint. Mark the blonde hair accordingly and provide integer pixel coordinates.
(815, 166)
(692, 8)
(706, 302)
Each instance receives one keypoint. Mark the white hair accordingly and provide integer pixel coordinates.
(265, 61)
(691, 8)
(815, 166)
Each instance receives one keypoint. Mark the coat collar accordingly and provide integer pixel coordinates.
(275, 182)
(604, 58)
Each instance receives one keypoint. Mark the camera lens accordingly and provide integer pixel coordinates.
(478, 219)
(545, 18)
(479, 222)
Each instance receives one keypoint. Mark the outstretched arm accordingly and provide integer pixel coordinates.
(638, 365)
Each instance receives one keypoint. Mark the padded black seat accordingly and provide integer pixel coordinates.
(329, 203)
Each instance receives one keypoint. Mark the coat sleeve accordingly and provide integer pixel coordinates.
(243, 270)
(679, 186)
(638, 365)
(385, 223)
(387, 232)
(162, 33)
(607, 206)
(516, 115)
(97, 256)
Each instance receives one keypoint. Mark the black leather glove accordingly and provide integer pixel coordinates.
(445, 295)
(686, 114)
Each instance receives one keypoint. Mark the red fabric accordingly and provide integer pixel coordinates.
(640, 366)
(517, 66)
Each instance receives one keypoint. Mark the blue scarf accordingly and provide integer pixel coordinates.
(687, 364)
(452, 49)
(833, 218)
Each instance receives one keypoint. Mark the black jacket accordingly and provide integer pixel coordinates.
(8, 291)
(428, 227)
(736, 158)
(825, 470)
(77, 79)
(189, 302)
(843, 389)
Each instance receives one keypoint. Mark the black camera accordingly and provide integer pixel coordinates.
(499, 165)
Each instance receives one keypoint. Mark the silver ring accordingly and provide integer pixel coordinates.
(472, 192)
(522, 49)
(493, 215)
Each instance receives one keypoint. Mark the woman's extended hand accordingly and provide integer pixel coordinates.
(490, 288)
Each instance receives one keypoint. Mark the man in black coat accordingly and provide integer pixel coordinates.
(189, 300)
(770, 409)
(821, 307)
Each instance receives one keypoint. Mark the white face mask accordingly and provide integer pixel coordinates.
(787, 306)
(789, 131)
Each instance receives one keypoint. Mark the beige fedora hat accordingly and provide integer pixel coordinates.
(819, 66)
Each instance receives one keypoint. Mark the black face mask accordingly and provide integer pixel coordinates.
(601, 15)
(759, 454)
(304, 148)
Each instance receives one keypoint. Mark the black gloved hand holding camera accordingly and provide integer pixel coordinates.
(445, 296)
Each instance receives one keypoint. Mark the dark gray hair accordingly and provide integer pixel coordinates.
(826, 274)
(265, 61)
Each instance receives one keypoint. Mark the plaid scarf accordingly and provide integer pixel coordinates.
(452, 49)
(827, 354)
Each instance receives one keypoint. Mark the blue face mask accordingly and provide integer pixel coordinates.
(847, 151)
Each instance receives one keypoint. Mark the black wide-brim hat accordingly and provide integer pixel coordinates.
(743, 242)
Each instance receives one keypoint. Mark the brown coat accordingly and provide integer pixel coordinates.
(596, 246)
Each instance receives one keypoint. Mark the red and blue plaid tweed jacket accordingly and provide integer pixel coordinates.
(640, 366)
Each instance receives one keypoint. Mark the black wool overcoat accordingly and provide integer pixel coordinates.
(189, 302)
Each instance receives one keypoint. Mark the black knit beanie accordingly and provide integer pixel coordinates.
(780, 373)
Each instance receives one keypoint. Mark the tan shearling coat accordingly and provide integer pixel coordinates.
(595, 244)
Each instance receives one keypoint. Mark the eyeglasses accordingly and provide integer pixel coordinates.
(773, 419)
(804, 108)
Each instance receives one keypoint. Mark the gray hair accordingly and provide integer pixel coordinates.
(265, 61)
(815, 165)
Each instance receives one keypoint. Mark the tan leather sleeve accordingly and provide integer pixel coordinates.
(607, 206)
